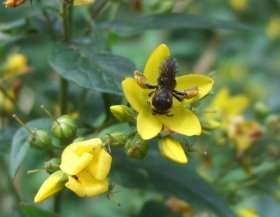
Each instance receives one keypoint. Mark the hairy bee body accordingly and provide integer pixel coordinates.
(162, 100)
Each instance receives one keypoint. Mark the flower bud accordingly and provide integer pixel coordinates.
(136, 147)
(116, 139)
(210, 124)
(172, 149)
(64, 127)
(40, 139)
(13, 3)
(122, 113)
(272, 120)
(52, 165)
(261, 110)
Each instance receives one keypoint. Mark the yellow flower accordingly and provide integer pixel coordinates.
(239, 4)
(247, 212)
(226, 107)
(243, 133)
(179, 119)
(172, 150)
(273, 28)
(6, 103)
(15, 65)
(13, 3)
(87, 165)
(83, 2)
(53, 184)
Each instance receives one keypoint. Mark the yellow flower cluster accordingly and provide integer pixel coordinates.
(83, 2)
(84, 169)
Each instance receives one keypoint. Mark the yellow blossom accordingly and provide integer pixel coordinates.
(15, 65)
(172, 150)
(226, 107)
(247, 212)
(239, 4)
(273, 27)
(87, 165)
(6, 103)
(13, 3)
(53, 184)
(179, 119)
(243, 133)
(83, 2)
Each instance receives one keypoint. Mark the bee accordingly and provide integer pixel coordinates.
(162, 97)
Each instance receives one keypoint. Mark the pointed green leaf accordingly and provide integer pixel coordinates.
(157, 174)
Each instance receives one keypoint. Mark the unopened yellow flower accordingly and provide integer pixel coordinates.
(6, 103)
(15, 65)
(87, 165)
(243, 133)
(179, 119)
(13, 3)
(247, 212)
(226, 107)
(83, 2)
(53, 184)
(273, 27)
(239, 4)
(172, 150)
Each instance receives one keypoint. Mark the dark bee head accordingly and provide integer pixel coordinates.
(162, 102)
(168, 71)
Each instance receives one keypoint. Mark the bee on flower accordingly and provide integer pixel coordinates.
(161, 100)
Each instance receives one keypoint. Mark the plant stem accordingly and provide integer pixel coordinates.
(67, 10)
(5, 173)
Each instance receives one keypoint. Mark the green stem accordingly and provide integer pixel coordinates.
(63, 95)
(5, 173)
(57, 202)
(67, 11)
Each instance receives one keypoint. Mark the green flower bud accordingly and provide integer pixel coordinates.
(136, 147)
(116, 139)
(40, 139)
(122, 113)
(52, 165)
(210, 124)
(261, 110)
(64, 127)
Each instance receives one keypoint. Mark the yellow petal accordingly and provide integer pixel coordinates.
(83, 2)
(148, 125)
(202, 82)
(72, 164)
(220, 99)
(75, 186)
(183, 121)
(152, 67)
(172, 150)
(54, 183)
(91, 185)
(101, 165)
(235, 106)
(90, 145)
(135, 95)
(247, 212)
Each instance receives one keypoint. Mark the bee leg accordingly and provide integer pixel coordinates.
(179, 98)
(168, 115)
(142, 81)
(186, 94)
(151, 93)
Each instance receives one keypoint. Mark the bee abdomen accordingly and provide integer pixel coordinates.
(168, 71)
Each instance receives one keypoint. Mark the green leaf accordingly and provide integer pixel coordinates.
(169, 21)
(33, 211)
(6, 135)
(19, 144)
(157, 174)
(88, 64)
